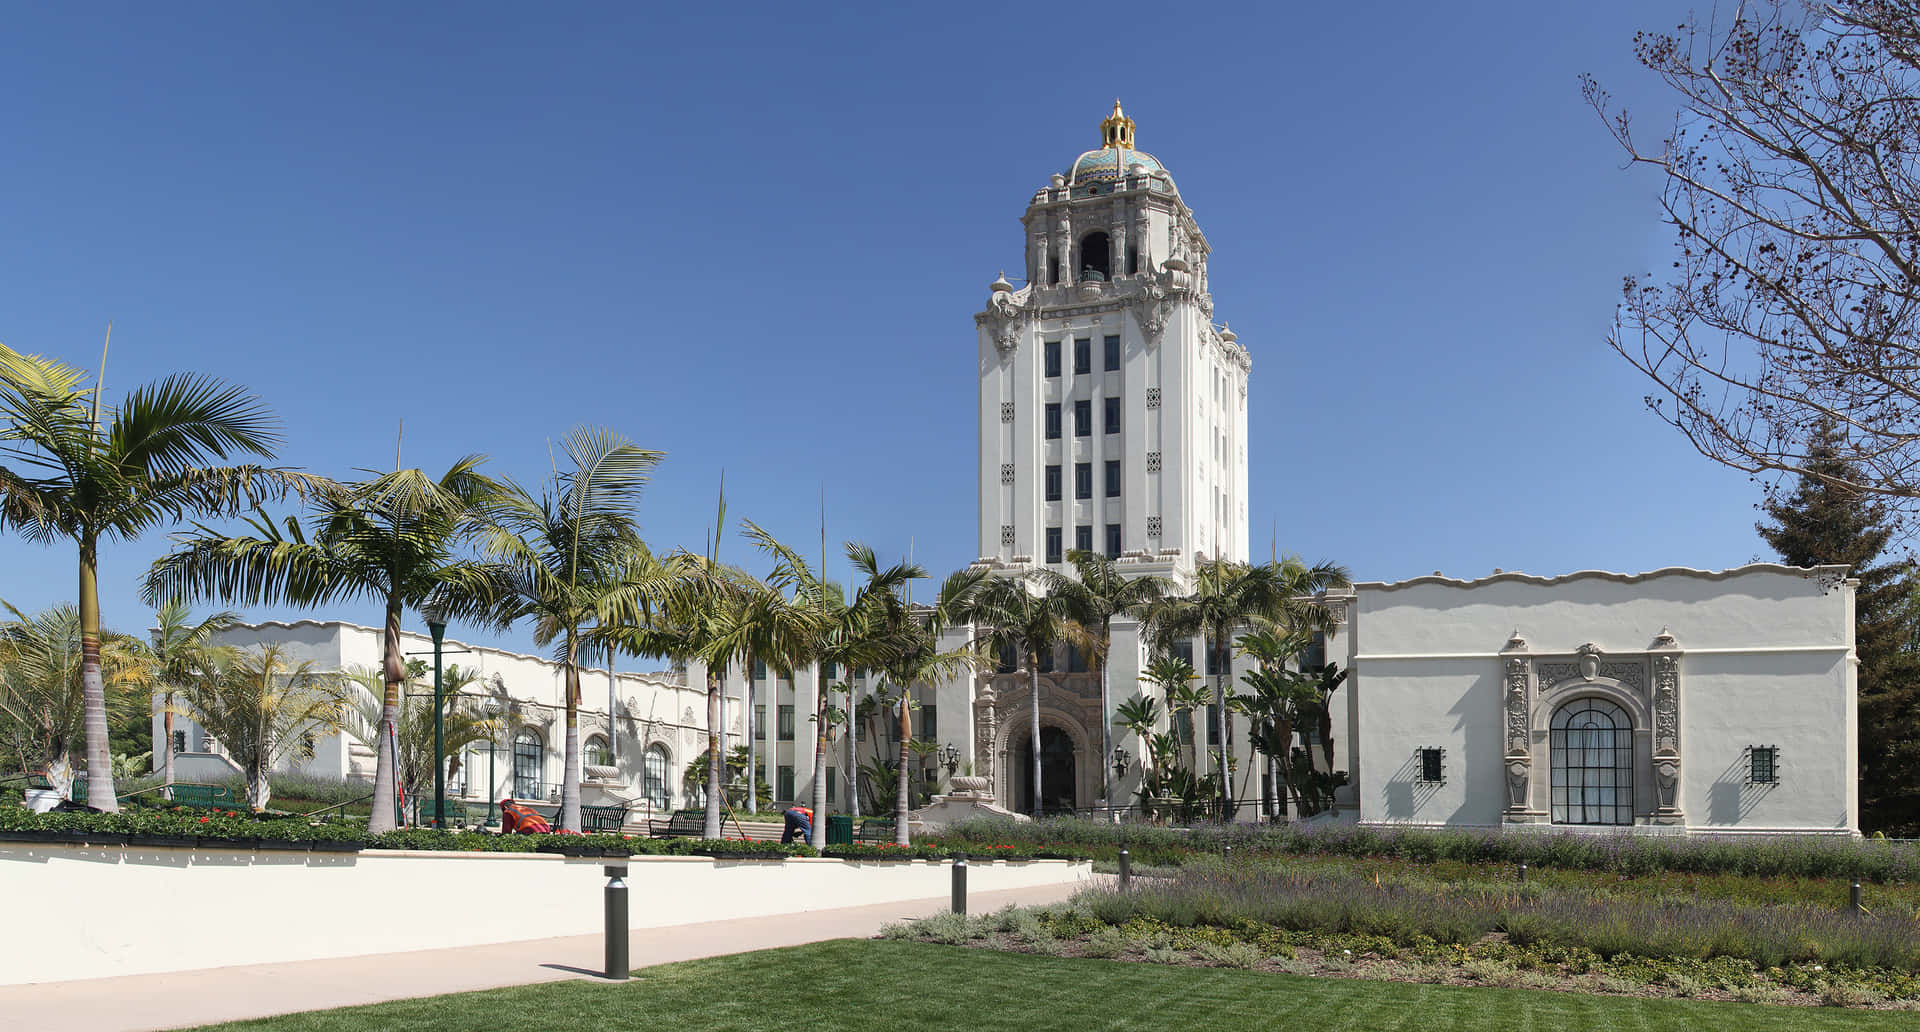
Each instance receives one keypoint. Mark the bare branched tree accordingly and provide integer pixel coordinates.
(1792, 183)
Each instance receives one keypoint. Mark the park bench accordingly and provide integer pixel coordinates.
(203, 797)
(603, 818)
(683, 824)
(878, 830)
(457, 816)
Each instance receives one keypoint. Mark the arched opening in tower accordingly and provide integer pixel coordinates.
(1096, 258)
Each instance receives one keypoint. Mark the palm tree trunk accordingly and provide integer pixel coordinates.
(1220, 707)
(570, 767)
(715, 766)
(100, 794)
(817, 835)
(386, 765)
(259, 787)
(903, 800)
(1033, 673)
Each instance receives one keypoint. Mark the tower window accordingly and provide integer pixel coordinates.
(1111, 410)
(1113, 478)
(1083, 418)
(1113, 540)
(1053, 421)
(1133, 261)
(1432, 763)
(1763, 765)
(1083, 537)
(1096, 258)
(1112, 344)
(1053, 272)
(1053, 482)
(1053, 544)
(1082, 356)
(1053, 357)
(1083, 482)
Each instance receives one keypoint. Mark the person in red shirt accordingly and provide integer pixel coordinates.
(799, 824)
(516, 819)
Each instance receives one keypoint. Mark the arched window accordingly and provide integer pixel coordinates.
(1096, 259)
(595, 752)
(529, 759)
(654, 781)
(1591, 741)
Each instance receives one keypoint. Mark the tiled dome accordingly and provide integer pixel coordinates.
(1105, 165)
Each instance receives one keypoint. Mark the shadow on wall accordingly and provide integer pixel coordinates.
(1733, 796)
(1406, 793)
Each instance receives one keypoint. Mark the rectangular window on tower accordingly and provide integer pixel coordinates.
(1113, 540)
(1082, 356)
(783, 784)
(1009, 659)
(929, 722)
(786, 723)
(1083, 480)
(1111, 410)
(1113, 478)
(1053, 421)
(1083, 538)
(1052, 350)
(1113, 352)
(1083, 418)
(1053, 545)
(759, 723)
(1053, 482)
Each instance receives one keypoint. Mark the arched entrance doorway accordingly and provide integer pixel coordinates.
(1058, 776)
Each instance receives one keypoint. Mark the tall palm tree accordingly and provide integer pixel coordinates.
(43, 694)
(179, 648)
(1096, 594)
(395, 539)
(263, 707)
(564, 558)
(1011, 612)
(363, 717)
(79, 471)
(918, 659)
(1229, 598)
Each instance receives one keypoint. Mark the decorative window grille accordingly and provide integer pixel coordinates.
(1763, 765)
(1006, 472)
(1153, 397)
(1006, 534)
(1433, 764)
(1153, 462)
(1153, 526)
(1006, 412)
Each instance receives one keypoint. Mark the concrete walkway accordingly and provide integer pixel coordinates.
(179, 999)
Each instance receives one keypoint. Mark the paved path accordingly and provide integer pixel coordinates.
(180, 999)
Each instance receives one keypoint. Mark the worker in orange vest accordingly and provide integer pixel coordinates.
(799, 824)
(522, 820)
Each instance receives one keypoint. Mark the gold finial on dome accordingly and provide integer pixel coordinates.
(1117, 129)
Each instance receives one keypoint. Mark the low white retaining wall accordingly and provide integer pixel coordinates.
(96, 912)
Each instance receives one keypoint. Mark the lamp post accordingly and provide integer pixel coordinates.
(1121, 758)
(437, 624)
(493, 754)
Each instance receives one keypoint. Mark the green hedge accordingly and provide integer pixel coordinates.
(181, 823)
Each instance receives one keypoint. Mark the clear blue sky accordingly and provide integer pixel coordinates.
(755, 239)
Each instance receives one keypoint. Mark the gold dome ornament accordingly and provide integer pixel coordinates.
(1117, 129)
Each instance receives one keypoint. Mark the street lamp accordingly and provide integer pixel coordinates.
(436, 615)
(1121, 758)
(493, 753)
(950, 756)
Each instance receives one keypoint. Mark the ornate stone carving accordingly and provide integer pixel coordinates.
(1006, 412)
(1589, 661)
(1519, 737)
(1666, 705)
(1517, 776)
(1006, 473)
(1153, 526)
(985, 725)
(1006, 315)
(1666, 780)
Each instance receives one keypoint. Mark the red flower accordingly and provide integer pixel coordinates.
(204, 820)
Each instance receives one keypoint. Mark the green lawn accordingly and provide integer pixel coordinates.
(885, 985)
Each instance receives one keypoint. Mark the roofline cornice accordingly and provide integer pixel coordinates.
(1833, 574)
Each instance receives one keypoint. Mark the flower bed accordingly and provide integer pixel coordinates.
(180, 826)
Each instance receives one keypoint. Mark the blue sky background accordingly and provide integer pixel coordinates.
(755, 238)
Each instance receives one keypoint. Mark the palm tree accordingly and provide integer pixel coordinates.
(363, 719)
(84, 474)
(43, 694)
(567, 560)
(1230, 597)
(395, 538)
(1096, 594)
(917, 659)
(1174, 677)
(1009, 612)
(179, 648)
(263, 708)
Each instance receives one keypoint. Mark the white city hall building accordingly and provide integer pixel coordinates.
(1113, 418)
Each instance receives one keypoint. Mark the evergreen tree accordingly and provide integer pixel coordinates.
(1824, 522)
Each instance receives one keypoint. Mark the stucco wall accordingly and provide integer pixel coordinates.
(1763, 658)
(100, 912)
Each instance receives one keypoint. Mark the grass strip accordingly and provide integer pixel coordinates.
(876, 985)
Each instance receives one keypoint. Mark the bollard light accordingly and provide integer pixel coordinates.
(1126, 870)
(960, 885)
(1523, 874)
(1854, 902)
(617, 966)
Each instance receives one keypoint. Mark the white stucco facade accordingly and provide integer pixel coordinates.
(1714, 702)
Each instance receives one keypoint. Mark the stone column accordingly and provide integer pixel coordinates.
(1517, 698)
(1665, 654)
(1063, 246)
